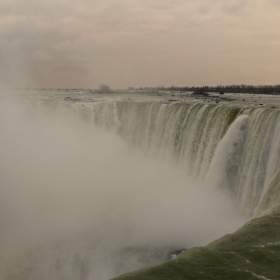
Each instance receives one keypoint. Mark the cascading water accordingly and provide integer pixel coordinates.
(225, 158)
(223, 169)
(238, 146)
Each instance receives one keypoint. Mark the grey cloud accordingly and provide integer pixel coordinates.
(204, 9)
(42, 56)
(235, 7)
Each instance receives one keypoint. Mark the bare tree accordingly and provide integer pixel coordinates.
(104, 88)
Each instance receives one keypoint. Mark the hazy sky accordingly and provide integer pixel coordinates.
(83, 43)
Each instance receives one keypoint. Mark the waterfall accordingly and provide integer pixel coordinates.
(229, 154)
(223, 170)
(239, 146)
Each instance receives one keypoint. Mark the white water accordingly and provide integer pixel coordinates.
(86, 203)
(224, 164)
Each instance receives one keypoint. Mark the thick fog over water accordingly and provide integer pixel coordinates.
(63, 180)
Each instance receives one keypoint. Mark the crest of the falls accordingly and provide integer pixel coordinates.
(227, 146)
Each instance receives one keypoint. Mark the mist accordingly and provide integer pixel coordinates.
(62, 179)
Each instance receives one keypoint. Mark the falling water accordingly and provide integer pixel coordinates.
(93, 189)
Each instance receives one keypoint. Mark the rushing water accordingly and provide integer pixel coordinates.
(92, 187)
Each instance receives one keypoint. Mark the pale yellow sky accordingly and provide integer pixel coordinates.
(84, 43)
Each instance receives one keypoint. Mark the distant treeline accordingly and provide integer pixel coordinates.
(265, 89)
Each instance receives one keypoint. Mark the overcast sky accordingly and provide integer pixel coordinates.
(84, 43)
